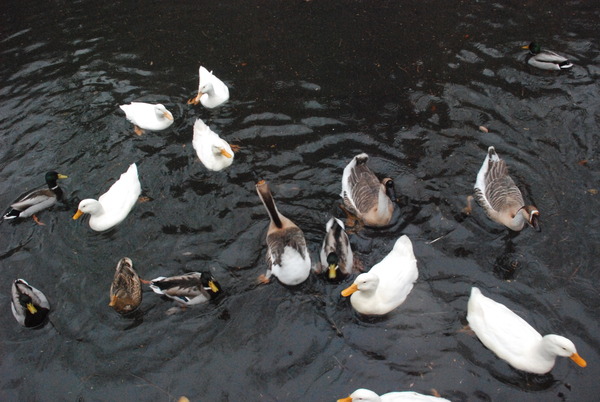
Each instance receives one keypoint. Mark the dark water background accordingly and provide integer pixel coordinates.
(312, 83)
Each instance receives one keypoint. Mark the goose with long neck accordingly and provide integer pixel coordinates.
(364, 195)
(500, 197)
(287, 255)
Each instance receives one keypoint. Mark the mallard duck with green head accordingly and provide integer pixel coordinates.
(546, 59)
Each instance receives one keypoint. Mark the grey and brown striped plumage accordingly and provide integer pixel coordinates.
(126, 288)
(500, 197)
(187, 289)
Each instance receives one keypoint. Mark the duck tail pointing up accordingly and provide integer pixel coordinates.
(361, 158)
(492, 155)
(262, 188)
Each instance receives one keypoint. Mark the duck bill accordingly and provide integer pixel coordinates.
(332, 271)
(525, 47)
(349, 290)
(113, 300)
(77, 214)
(213, 286)
(62, 176)
(349, 399)
(195, 100)
(578, 360)
(225, 153)
(31, 308)
(168, 115)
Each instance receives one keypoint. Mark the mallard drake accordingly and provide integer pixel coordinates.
(499, 196)
(387, 284)
(29, 306)
(146, 116)
(113, 206)
(126, 288)
(287, 254)
(512, 339)
(366, 395)
(546, 59)
(37, 200)
(213, 151)
(187, 289)
(212, 92)
(336, 256)
(364, 195)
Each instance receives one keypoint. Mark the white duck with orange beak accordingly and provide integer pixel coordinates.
(214, 152)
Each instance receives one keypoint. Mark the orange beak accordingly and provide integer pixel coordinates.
(525, 47)
(113, 300)
(578, 360)
(349, 399)
(168, 115)
(225, 153)
(349, 290)
(78, 214)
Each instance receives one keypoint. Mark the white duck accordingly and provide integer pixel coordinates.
(212, 92)
(500, 197)
(388, 283)
(336, 256)
(366, 395)
(214, 152)
(364, 195)
(113, 206)
(512, 339)
(29, 305)
(546, 59)
(287, 255)
(146, 116)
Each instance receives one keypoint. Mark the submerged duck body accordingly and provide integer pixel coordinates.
(126, 288)
(513, 340)
(388, 283)
(214, 152)
(287, 255)
(212, 92)
(148, 116)
(336, 257)
(366, 395)
(364, 195)
(29, 305)
(187, 289)
(112, 207)
(37, 200)
(546, 59)
(500, 197)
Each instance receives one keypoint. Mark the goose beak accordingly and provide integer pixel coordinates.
(33, 310)
(332, 271)
(168, 115)
(578, 360)
(62, 176)
(213, 286)
(348, 291)
(77, 214)
(225, 153)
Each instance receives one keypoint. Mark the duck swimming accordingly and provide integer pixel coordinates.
(287, 255)
(126, 288)
(29, 305)
(336, 257)
(388, 283)
(212, 92)
(214, 152)
(364, 195)
(513, 340)
(112, 207)
(147, 116)
(546, 59)
(366, 395)
(500, 197)
(37, 200)
(187, 289)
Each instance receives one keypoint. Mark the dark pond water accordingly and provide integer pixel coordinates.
(313, 83)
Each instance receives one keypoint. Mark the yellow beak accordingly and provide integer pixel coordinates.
(525, 47)
(225, 153)
(213, 287)
(31, 308)
(332, 273)
(78, 214)
(348, 291)
(577, 359)
(62, 176)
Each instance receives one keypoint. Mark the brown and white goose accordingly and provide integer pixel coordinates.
(364, 195)
(287, 254)
(499, 196)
